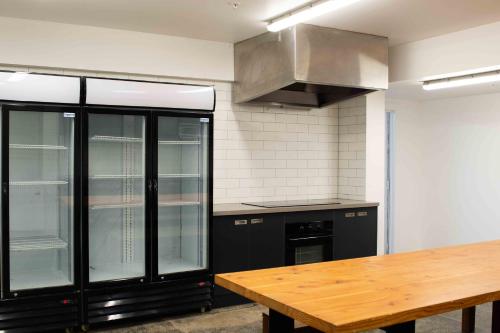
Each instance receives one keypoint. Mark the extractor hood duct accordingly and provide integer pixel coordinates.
(309, 67)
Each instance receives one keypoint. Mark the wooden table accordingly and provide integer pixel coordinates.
(389, 291)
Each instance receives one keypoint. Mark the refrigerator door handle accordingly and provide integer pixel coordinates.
(150, 185)
(155, 185)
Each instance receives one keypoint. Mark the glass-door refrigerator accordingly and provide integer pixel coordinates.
(40, 211)
(181, 172)
(117, 203)
(40, 176)
(147, 189)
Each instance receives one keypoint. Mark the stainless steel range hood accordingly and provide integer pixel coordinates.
(309, 67)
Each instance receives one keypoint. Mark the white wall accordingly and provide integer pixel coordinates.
(46, 44)
(409, 196)
(451, 53)
(375, 158)
(447, 171)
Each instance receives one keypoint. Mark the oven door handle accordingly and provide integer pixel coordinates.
(310, 238)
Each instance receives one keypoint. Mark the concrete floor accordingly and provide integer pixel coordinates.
(248, 319)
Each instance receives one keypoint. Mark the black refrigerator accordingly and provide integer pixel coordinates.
(147, 190)
(106, 200)
(40, 229)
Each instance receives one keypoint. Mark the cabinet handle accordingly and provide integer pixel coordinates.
(240, 222)
(362, 213)
(349, 215)
(257, 221)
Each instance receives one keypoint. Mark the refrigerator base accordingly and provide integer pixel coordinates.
(43, 313)
(152, 300)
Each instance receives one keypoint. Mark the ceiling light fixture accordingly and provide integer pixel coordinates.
(306, 13)
(17, 76)
(462, 81)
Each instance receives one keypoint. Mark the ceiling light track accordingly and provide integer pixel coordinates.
(462, 81)
(305, 13)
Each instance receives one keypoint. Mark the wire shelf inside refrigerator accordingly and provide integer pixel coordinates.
(36, 147)
(108, 138)
(179, 175)
(37, 243)
(38, 182)
(178, 142)
(177, 203)
(117, 176)
(117, 206)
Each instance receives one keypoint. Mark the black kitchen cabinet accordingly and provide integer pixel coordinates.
(247, 242)
(243, 243)
(230, 249)
(355, 233)
(266, 243)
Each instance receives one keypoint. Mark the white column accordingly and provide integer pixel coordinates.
(375, 158)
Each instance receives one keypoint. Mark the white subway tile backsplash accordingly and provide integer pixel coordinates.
(263, 117)
(343, 164)
(252, 182)
(248, 126)
(226, 164)
(263, 173)
(275, 164)
(299, 128)
(238, 155)
(289, 172)
(275, 127)
(239, 173)
(287, 118)
(287, 155)
(263, 155)
(297, 181)
(275, 182)
(287, 191)
(352, 145)
(298, 164)
(227, 183)
(239, 192)
(309, 172)
(347, 155)
(275, 145)
(240, 116)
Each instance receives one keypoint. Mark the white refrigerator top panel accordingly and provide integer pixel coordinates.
(25, 87)
(149, 94)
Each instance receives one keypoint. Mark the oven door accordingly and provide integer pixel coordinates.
(309, 249)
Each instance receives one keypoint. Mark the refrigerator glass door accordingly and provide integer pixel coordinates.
(41, 188)
(116, 198)
(182, 194)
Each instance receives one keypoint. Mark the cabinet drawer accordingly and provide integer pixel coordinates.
(247, 242)
(355, 233)
(229, 239)
(310, 216)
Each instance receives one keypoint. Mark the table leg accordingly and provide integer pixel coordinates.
(495, 321)
(265, 323)
(279, 323)
(408, 327)
(469, 320)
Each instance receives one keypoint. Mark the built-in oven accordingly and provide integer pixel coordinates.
(308, 242)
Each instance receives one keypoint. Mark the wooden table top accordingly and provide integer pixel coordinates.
(367, 293)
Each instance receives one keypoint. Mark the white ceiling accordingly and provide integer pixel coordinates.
(401, 20)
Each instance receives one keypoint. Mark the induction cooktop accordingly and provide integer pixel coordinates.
(292, 203)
